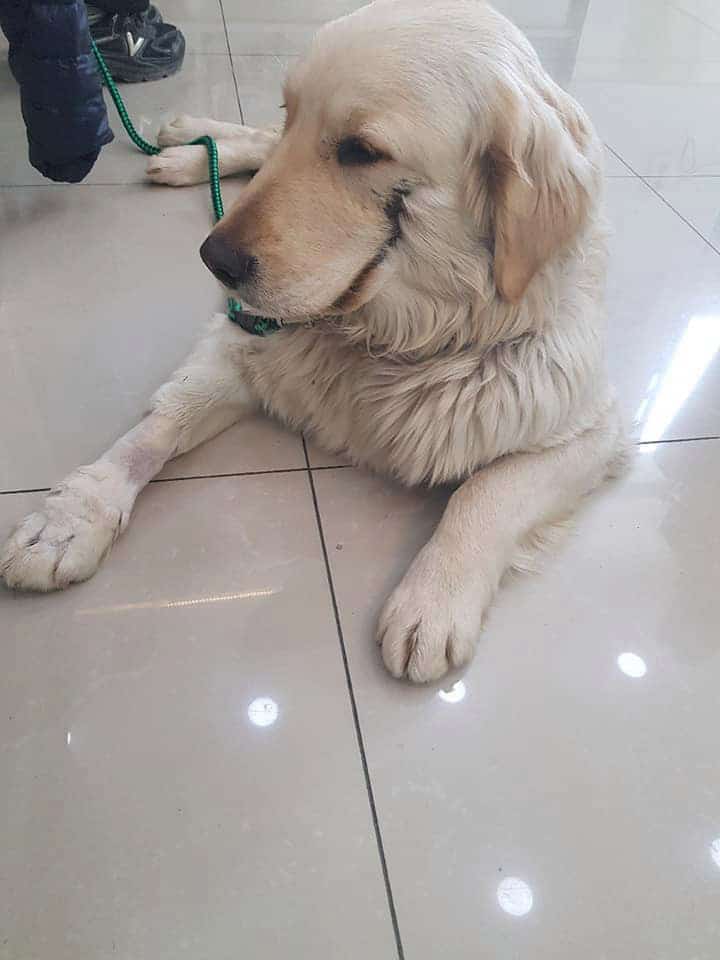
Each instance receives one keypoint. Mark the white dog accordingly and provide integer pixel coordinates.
(427, 227)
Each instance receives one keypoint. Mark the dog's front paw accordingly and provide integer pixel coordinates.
(66, 540)
(179, 166)
(182, 130)
(431, 620)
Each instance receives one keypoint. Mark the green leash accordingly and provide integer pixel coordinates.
(260, 326)
(149, 148)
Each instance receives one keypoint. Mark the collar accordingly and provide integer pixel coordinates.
(250, 322)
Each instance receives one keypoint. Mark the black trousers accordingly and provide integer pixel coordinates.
(121, 6)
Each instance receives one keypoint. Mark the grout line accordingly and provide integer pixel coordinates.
(668, 176)
(5, 493)
(75, 186)
(83, 186)
(667, 203)
(618, 157)
(655, 443)
(355, 713)
(247, 473)
(222, 476)
(209, 476)
(232, 62)
(272, 56)
(134, 183)
(329, 466)
(692, 16)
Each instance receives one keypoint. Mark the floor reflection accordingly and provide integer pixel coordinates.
(668, 392)
(263, 712)
(515, 896)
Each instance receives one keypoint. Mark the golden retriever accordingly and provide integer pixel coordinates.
(427, 226)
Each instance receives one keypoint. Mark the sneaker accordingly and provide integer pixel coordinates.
(153, 15)
(137, 46)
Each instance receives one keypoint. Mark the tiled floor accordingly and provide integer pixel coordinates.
(200, 754)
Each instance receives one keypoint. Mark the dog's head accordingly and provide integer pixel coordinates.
(425, 150)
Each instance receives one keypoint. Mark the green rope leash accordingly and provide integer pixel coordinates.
(149, 148)
(260, 326)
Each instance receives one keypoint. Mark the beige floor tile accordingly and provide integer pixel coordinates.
(91, 324)
(648, 30)
(201, 22)
(260, 80)
(615, 167)
(695, 198)
(287, 27)
(704, 11)
(657, 124)
(318, 457)
(279, 26)
(177, 753)
(559, 799)
(664, 318)
(649, 73)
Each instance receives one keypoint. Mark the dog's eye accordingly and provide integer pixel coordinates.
(353, 152)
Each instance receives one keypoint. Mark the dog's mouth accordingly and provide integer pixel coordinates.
(253, 310)
(356, 294)
(353, 297)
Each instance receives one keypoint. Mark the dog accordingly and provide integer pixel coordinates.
(428, 228)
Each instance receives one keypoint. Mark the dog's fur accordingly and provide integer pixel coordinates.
(455, 279)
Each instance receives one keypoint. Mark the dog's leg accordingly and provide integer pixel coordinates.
(184, 128)
(68, 537)
(431, 621)
(240, 150)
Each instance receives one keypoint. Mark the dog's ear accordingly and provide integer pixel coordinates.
(534, 181)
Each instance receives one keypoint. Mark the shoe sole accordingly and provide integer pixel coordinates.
(126, 72)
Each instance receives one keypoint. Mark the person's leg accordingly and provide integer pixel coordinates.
(134, 41)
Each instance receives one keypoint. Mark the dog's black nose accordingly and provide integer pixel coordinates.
(231, 265)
